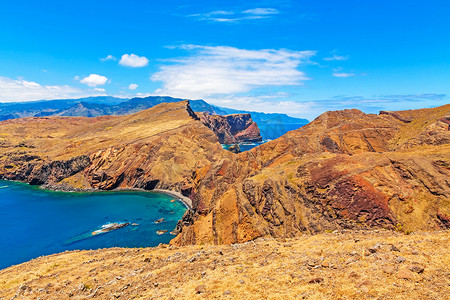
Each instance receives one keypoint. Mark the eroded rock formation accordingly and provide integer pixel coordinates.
(232, 129)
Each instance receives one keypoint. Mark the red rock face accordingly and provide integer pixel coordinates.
(231, 129)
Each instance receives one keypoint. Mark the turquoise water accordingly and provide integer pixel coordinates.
(245, 146)
(34, 222)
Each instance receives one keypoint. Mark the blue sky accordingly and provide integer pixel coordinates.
(297, 57)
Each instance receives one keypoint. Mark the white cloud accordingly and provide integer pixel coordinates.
(215, 13)
(225, 16)
(228, 70)
(94, 80)
(288, 104)
(133, 86)
(336, 57)
(22, 90)
(134, 61)
(343, 74)
(274, 103)
(261, 11)
(109, 57)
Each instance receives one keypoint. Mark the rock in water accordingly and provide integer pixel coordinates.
(235, 149)
(110, 227)
(159, 221)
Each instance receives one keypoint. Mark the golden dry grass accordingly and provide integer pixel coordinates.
(339, 265)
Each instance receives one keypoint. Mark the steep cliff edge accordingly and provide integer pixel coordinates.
(231, 129)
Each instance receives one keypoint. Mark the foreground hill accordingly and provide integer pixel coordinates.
(349, 265)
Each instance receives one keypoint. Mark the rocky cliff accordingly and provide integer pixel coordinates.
(346, 169)
(232, 129)
(154, 148)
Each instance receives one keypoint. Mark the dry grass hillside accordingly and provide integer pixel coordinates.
(340, 265)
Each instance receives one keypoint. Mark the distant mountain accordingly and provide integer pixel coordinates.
(44, 108)
(271, 126)
(86, 109)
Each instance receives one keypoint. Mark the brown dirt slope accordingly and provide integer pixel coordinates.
(348, 265)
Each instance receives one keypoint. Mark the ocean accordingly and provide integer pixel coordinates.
(35, 222)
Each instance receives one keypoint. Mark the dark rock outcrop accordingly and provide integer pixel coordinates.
(235, 149)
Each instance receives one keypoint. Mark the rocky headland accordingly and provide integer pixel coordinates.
(232, 129)
(346, 169)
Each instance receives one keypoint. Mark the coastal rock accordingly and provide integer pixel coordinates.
(154, 148)
(110, 227)
(235, 149)
(231, 129)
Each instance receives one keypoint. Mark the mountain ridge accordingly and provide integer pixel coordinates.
(272, 125)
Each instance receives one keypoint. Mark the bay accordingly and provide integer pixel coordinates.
(35, 222)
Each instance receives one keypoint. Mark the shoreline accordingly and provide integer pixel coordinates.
(183, 199)
(176, 195)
